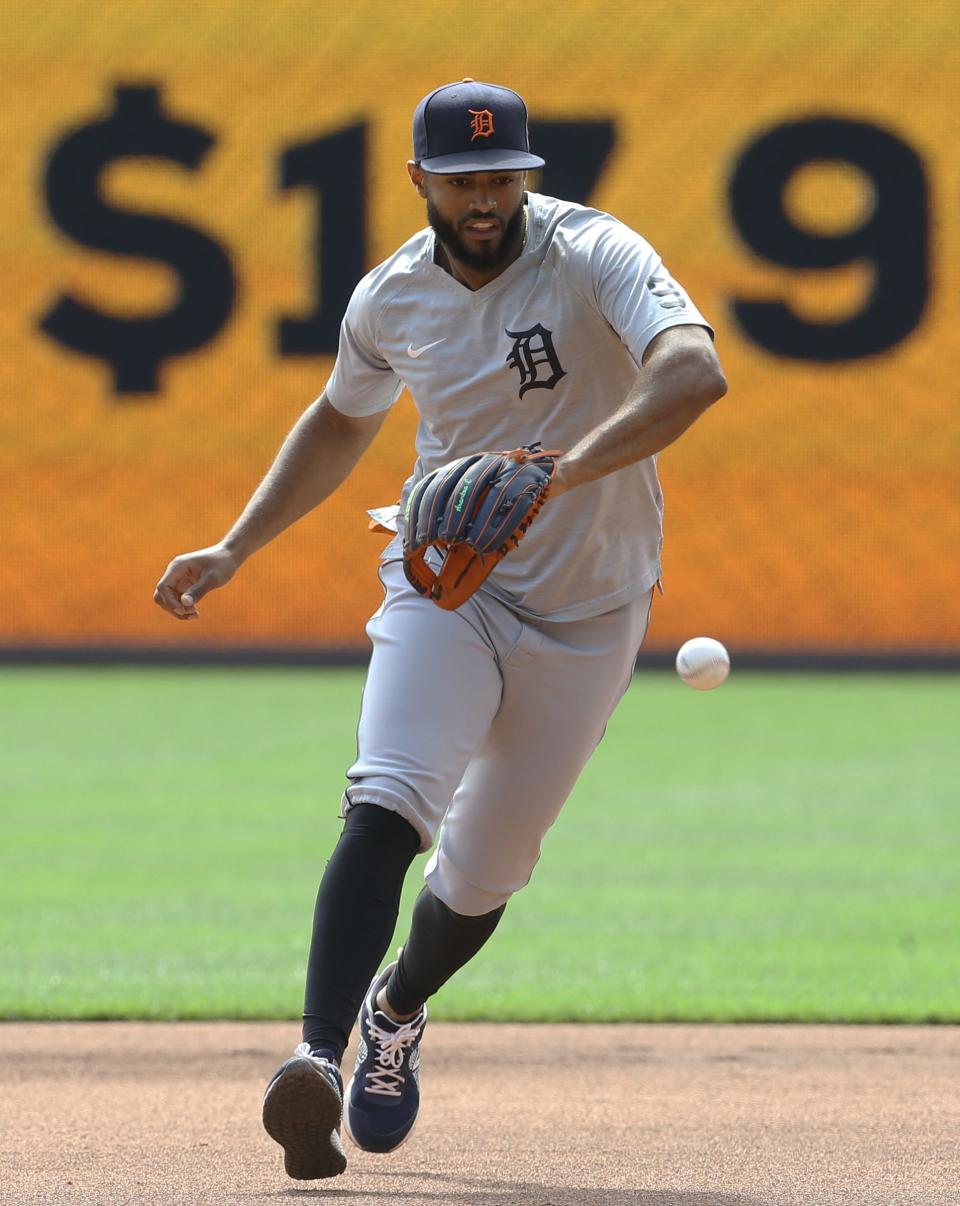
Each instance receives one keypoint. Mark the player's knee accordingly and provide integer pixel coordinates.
(460, 894)
(393, 796)
(375, 821)
(429, 903)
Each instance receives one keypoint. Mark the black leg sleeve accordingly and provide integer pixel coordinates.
(440, 943)
(354, 920)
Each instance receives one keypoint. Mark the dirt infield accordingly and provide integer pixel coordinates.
(662, 1115)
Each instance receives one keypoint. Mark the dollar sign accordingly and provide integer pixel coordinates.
(135, 347)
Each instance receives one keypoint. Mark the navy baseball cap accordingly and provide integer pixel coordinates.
(472, 127)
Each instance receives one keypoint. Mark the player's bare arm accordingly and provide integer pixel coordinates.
(316, 457)
(681, 377)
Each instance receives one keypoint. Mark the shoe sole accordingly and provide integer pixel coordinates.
(301, 1111)
(350, 1135)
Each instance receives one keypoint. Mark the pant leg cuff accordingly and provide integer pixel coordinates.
(391, 797)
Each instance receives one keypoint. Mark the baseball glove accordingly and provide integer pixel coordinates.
(473, 511)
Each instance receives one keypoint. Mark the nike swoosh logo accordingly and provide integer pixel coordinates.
(416, 353)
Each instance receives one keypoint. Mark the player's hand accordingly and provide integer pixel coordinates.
(189, 577)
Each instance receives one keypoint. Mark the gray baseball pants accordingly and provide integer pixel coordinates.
(477, 723)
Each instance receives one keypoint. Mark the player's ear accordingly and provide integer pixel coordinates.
(416, 174)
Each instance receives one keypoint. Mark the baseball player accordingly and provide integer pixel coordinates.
(517, 322)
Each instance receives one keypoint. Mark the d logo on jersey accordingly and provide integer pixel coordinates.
(532, 352)
(534, 357)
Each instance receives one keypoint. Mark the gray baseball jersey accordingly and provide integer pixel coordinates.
(544, 352)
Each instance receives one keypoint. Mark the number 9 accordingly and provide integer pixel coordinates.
(893, 238)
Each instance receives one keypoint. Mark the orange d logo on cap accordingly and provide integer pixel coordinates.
(482, 124)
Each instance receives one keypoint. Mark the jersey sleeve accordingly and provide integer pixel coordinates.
(362, 382)
(631, 287)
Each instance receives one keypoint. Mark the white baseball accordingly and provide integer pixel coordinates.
(703, 663)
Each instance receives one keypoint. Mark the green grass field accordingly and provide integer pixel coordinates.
(784, 848)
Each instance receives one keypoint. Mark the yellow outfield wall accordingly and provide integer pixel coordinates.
(189, 188)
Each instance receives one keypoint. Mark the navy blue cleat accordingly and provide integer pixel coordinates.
(383, 1098)
(302, 1109)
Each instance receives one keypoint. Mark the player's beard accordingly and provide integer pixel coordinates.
(487, 256)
